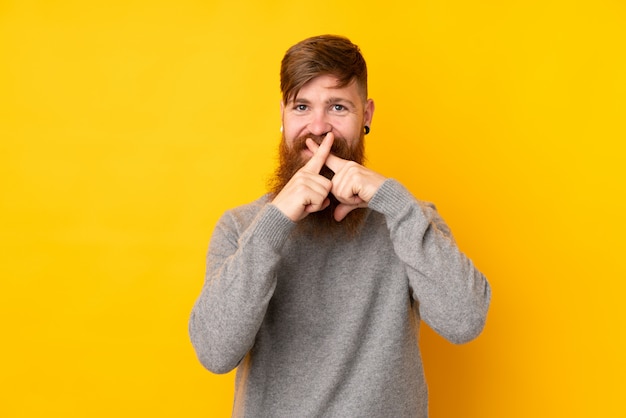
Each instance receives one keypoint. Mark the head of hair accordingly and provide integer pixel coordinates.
(322, 55)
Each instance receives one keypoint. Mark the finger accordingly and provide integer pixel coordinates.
(342, 210)
(355, 184)
(332, 161)
(311, 186)
(320, 154)
(316, 208)
(335, 163)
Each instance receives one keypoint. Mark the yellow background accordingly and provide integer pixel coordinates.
(128, 127)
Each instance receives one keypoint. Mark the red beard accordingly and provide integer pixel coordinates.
(291, 160)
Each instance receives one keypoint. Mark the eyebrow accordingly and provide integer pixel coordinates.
(330, 100)
(333, 100)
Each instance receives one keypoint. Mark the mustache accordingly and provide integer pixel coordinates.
(339, 148)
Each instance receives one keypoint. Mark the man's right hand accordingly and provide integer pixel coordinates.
(307, 191)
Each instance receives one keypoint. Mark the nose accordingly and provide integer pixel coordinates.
(319, 123)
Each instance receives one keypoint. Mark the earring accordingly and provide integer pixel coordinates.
(367, 129)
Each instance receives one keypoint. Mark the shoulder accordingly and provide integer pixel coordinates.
(241, 216)
(258, 221)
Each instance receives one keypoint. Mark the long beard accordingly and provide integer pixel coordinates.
(323, 222)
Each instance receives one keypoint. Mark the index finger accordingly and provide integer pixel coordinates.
(332, 161)
(335, 163)
(318, 160)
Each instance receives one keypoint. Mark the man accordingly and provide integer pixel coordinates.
(316, 290)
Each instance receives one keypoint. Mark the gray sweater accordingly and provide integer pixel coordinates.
(328, 327)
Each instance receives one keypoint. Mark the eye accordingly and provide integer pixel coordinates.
(300, 107)
(338, 107)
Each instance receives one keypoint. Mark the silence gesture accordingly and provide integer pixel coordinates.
(353, 184)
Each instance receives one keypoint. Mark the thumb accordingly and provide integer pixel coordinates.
(325, 204)
(342, 210)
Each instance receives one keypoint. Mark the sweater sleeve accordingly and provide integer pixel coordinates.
(240, 281)
(452, 295)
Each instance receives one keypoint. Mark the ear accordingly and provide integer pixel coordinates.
(368, 113)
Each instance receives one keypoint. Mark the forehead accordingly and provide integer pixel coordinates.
(327, 85)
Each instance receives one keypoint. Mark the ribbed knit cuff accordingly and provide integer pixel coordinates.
(273, 227)
(391, 198)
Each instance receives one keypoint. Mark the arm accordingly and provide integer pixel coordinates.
(241, 265)
(453, 295)
(240, 281)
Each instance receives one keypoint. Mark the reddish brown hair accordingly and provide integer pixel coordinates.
(322, 55)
